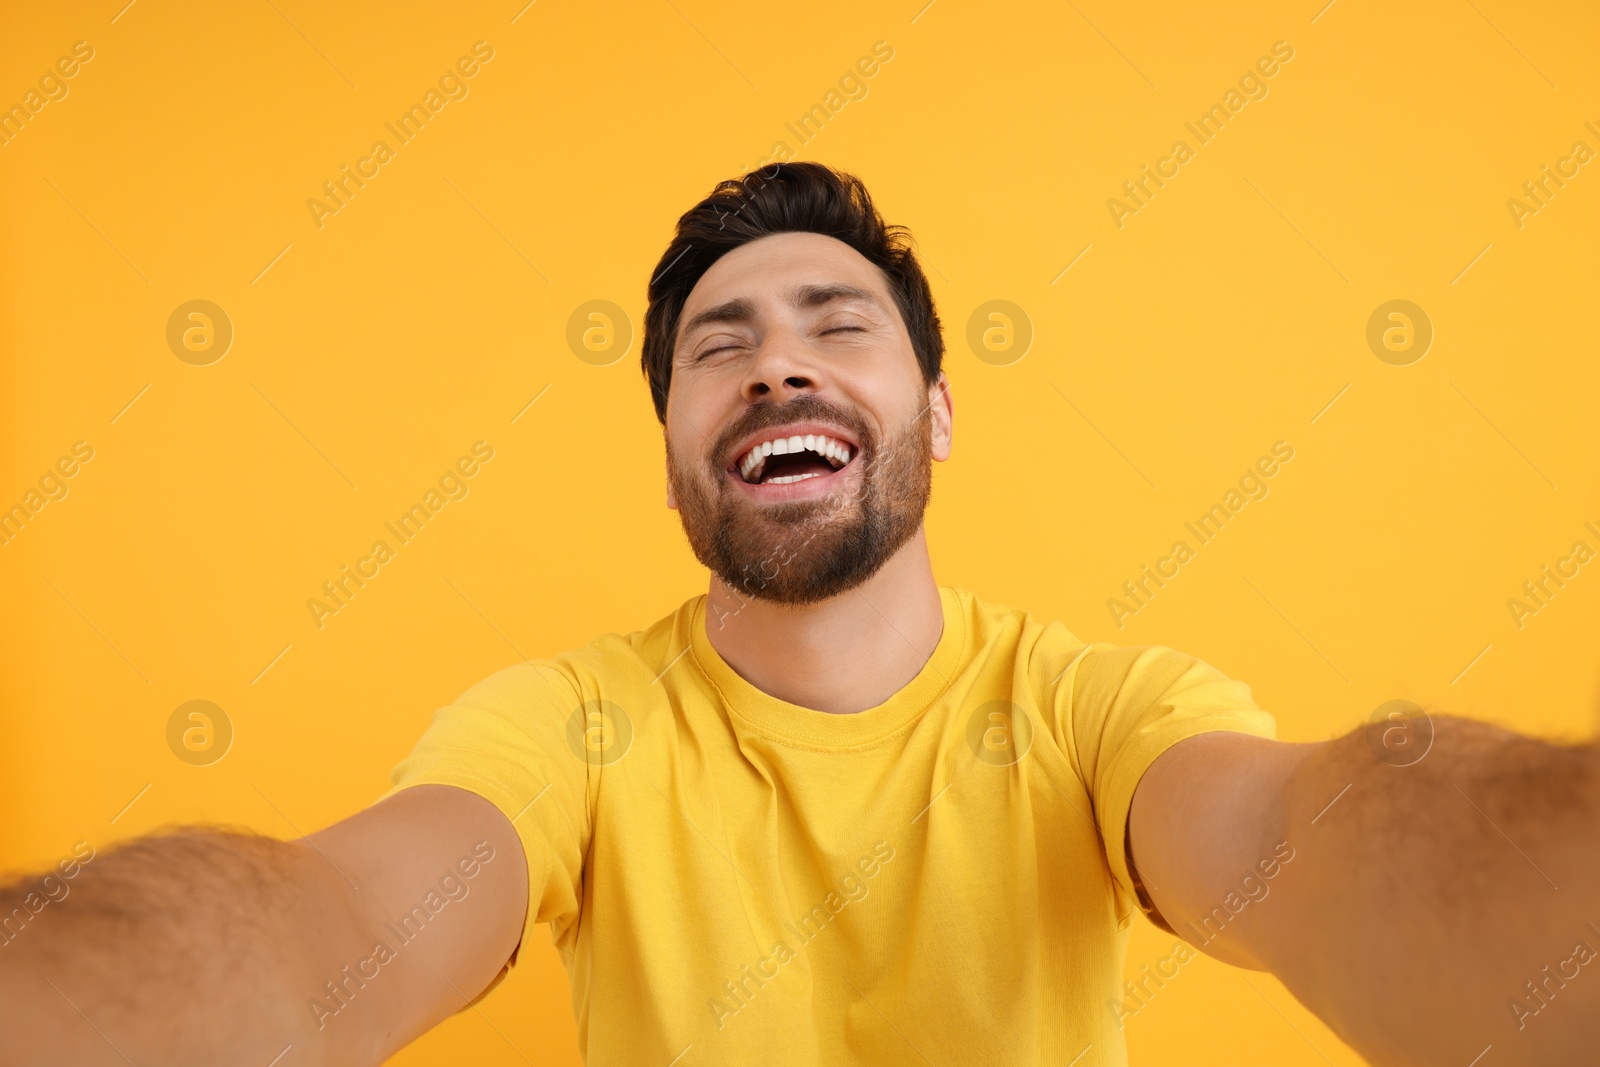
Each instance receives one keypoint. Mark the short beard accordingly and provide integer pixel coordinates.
(807, 551)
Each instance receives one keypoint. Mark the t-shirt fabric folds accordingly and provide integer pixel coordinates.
(730, 878)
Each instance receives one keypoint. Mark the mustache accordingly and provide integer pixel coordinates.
(807, 407)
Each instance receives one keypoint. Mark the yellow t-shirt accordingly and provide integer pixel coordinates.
(732, 879)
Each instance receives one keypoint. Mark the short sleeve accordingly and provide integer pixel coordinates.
(1128, 706)
(507, 740)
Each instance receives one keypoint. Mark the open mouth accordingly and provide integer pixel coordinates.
(781, 459)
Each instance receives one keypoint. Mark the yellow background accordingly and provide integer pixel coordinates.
(426, 314)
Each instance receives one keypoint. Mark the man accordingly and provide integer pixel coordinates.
(833, 812)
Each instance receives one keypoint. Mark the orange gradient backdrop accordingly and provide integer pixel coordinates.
(1171, 347)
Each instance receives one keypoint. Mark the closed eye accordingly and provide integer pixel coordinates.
(713, 351)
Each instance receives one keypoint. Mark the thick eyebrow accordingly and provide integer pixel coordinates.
(810, 296)
(732, 311)
(802, 296)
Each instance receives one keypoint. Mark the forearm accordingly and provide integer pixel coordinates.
(1428, 898)
(202, 946)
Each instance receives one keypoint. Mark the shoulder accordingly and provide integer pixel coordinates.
(1069, 672)
(610, 663)
(1044, 652)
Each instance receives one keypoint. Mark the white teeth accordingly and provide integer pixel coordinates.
(837, 452)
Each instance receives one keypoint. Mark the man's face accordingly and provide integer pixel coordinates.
(799, 430)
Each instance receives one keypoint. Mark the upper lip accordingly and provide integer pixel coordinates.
(789, 429)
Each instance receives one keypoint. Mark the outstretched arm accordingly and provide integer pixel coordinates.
(1427, 909)
(213, 947)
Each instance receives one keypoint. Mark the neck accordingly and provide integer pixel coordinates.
(845, 654)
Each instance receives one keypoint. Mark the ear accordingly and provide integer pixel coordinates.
(941, 410)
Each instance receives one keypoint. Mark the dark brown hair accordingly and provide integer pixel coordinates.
(783, 198)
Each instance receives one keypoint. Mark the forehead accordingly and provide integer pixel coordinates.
(769, 268)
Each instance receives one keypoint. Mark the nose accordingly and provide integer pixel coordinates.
(782, 368)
